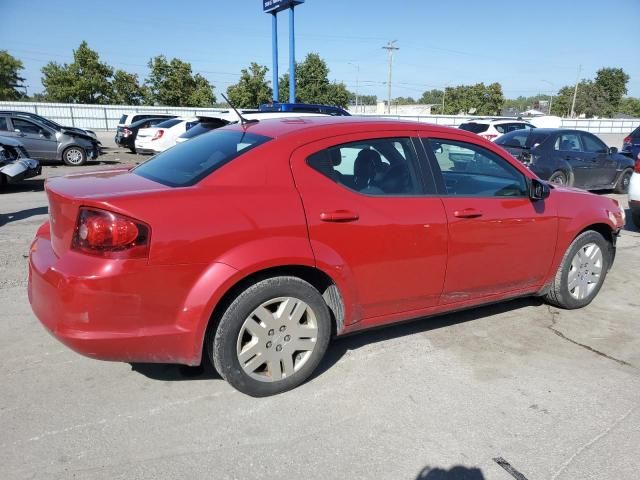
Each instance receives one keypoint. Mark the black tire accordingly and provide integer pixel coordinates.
(222, 345)
(74, 156)
(559, 294)
(133, 149)
(559, 178)
(622, 185)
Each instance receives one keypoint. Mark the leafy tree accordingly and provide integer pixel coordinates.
(591, 100)
(126, 89)
(613, 83)
(253, 89)
(630, 106)
(479, 99)
(313, 85)
(10, 80)
(172, 83)
(85, 80)
(403, 101)
(431, 97)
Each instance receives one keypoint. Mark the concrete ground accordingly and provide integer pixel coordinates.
(555, 394)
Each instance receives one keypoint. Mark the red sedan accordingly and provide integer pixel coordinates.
(254, 244)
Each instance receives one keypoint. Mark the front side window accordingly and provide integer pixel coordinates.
(189, 162)
(25, 126)
(3, 124)
(470, 170)
(568, 142)
(593, 144)
(384, 166)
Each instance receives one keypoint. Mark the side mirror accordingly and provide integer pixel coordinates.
(612, 150)
(17, 130)
(538, 190)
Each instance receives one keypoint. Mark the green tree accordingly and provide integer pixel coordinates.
(253, 89)
(630, 106)
(613, 83)
(10, 80)
(478, 99)
(126, 89)
(431, 97)
(85, 80)
(403, 101)
(173, 83)
(313, 85)
(591, 100)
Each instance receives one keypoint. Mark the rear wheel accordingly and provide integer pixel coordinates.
(74, 156)
(133, 149)
(622, 186)
(272, 336)
(559, 178)
(582, 271)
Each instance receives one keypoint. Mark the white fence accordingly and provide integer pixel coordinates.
(105, 117)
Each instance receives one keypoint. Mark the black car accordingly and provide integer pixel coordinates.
(570, 157)
(126, 137)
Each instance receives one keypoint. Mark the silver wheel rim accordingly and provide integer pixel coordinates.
(585, 271)
(625, 181)
(74, 156)
(277, 339)
(557, 179)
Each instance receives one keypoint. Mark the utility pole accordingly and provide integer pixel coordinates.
(390, 48)
(575, 93)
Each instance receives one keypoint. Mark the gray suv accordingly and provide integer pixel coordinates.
(47, 143)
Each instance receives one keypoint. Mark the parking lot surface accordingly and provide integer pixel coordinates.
(554, 393)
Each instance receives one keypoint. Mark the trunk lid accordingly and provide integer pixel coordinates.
(67, 194)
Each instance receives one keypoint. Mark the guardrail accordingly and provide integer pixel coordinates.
(106, 117)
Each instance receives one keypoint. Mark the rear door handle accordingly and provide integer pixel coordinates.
(467, 213)
(339, 216)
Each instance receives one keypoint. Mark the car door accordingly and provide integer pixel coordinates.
(40, 142)
(499, 240)
(371, 219)
(604, 168)
(568, 148)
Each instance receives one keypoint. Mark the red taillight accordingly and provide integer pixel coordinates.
(158, 135)
(126, 132)
(627, 139)
(108, 234)
(488, 136)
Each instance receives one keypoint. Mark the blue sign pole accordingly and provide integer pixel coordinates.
(274, 48)
(292, 57)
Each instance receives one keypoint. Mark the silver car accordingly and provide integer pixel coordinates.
(47, 143)
(15, 164)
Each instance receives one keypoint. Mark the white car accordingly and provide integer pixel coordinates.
(634, 193)
(491, 129)
(157, 139)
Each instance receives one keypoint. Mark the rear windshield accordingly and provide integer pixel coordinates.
(635, 133)
(189, 162)
(123, 119)
(203, 127)
(168, 123)
(475, 127)
(522, 138)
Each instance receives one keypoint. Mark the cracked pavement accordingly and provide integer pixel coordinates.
(554, 393)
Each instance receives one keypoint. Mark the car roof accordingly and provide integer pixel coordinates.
(497, 121)
(336, 125)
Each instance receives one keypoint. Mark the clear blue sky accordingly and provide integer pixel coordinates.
(528, 47)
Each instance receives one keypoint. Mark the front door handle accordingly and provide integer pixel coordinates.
(467, 213)
(339, 216)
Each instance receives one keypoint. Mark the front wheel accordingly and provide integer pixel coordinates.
(74, 156)
(582, 271)
(622, 186)
(272, 336)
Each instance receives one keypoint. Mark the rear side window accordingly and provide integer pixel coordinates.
(189, 162)
(475, 127)
(384, 166)
(568, 142)
(3, 124)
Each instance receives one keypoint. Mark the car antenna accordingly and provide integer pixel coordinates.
(243, 121)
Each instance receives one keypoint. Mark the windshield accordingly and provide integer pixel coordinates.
(189, 162)
(475, 127)
(522, 138)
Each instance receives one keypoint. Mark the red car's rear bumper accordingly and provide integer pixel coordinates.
(121, 310)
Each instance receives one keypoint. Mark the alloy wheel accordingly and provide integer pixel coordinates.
(586, 269)
(74, 156)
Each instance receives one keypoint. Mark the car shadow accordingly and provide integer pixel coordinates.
(29, 185)
(341, 345)
(21, 215)
(457, 472)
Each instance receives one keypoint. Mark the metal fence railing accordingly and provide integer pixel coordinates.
(106, 117)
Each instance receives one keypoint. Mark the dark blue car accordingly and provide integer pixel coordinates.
(303, 108)
(570, 157)
(631, 144)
